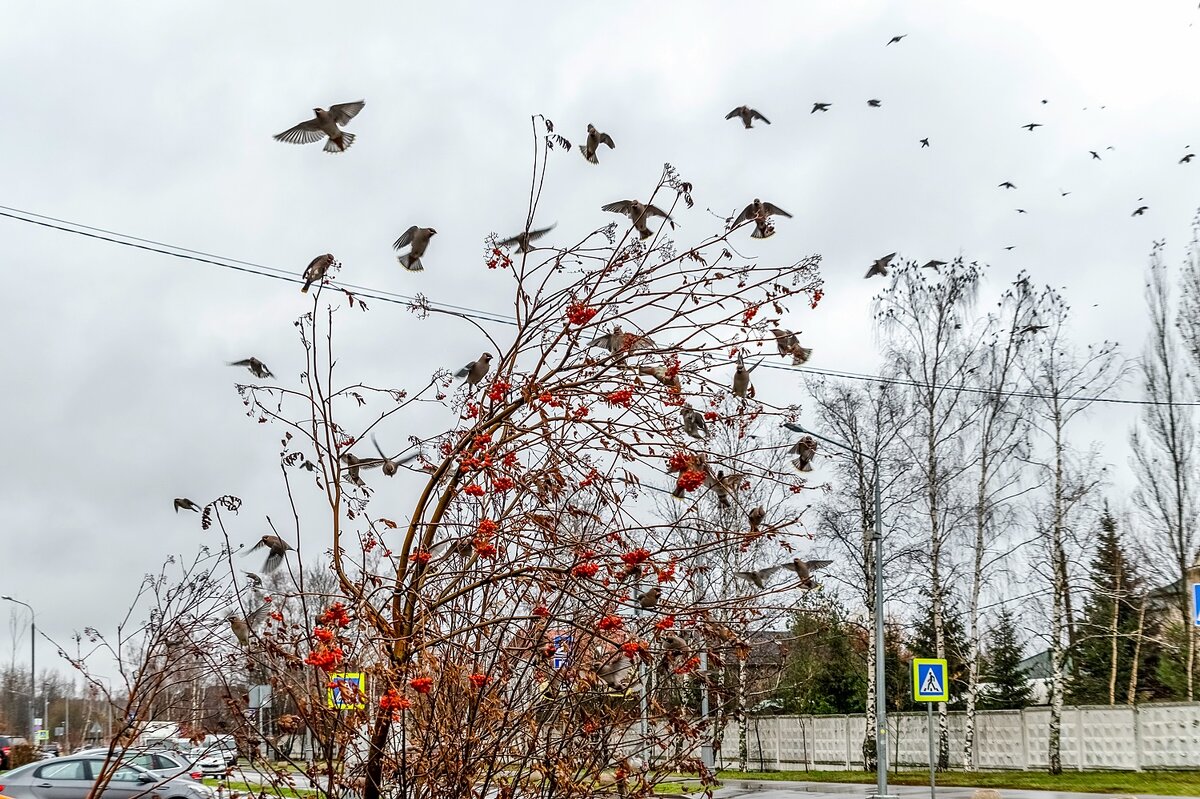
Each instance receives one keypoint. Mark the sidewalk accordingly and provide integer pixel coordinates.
(772, 789)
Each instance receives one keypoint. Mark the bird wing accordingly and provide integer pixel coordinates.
(606, 139)
(466, 370)
(405, 238)
(654, 210)
(243, 362)
(256, 547)
(734, 113)
(813, 565)
(619, 207)
(344, 112)
(755, 115)
(887, 259)
(775, 209)
(746, 214)
(306, 132)
(510, 241)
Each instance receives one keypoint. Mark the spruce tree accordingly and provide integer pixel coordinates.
(922, 644)
(1006, 684)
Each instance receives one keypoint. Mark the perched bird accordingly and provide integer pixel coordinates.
(1140, 210)
(594, 139)
(1032, 125)
(693, 422)
(523, 239)
(186, 504)
(788, 344)
(880, 267)
(820, 107)
(476, 369)
(760, 212)
(616, 671)
(418, 238)
(1007, 185)
(241, 630)
(895, 39)
(638, 212)
(805, 568)
(649, 598)
(924, 142)
(393, 464)
(747, 115)
(741, 379)
(805, 450)
(1187, 159)
(254, 580)
(620, 342)
(932, 264)
(277, 549)
(759, 577)
(316, 270)
(675, 645)
(724, 485)
(1095, 155)
(256, 367)
(325, 124)
(874, 103)
(756, 517)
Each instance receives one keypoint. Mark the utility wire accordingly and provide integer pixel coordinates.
(261, 270)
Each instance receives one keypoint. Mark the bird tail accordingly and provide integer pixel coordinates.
(340, 144)
(763, 231)
(304, 288)
(410, 263)
(800, 355)
(645, 232)
(748, 122)
(591, 157)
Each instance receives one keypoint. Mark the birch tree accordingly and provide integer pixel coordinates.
(1065, 381)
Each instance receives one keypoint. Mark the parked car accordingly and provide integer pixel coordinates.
(7, 742)
(225, 744)
(72, 777)
(164, 763)
(209, 762)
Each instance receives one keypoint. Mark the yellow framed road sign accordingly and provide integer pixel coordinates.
(347, 691)
(930, 680)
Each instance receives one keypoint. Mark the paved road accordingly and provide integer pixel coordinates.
(835, 790)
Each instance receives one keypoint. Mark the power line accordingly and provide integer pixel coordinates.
(261, 270)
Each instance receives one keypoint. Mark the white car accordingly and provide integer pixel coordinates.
(210, 762)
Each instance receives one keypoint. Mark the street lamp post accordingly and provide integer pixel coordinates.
(881, 729)
(32, 664)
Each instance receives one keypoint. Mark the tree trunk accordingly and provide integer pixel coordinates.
(1131, 695)
(973, 618)
(1113, 627)
(1059, 607)
(870, 754)
(743, 719)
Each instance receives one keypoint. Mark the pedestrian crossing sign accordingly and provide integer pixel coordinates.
(346, 691)
(929, 678)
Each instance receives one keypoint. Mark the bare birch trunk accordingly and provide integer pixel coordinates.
(1131, 695)
(1058, 609)
(973, 620)
(1113, 627)
(743, 720)
(870, 755)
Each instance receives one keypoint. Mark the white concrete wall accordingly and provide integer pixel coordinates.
(1152, 736)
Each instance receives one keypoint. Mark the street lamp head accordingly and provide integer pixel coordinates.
(795, 427)
(6, 596)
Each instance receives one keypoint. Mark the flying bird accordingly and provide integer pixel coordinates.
(523, 239)
(758, 577)
(1031, 329)
(789, 344)
(619, 342)
(820, 107)
(1187, 159)
(747, 115)
(1140, 210)
(638, 213)
(277, 549)
(354, 464)
(316, 270)
(594, 139)
(1022, 211)
(924, 143)
(895, 39)
(1007, 185)
(724, 485)
(880, 267)
(693, 422)
(325, 124)
(1010, 247)
(874, 103)
(393, 464)
(418, 238)
(256, 367)
(761, 213)
(667, 375)
(805, 450)
(1032, 125)
(476, 369)
(805, 568)
(932, 264)
(254, 580)
(617, 671)
(186, 504)
(1095, 155)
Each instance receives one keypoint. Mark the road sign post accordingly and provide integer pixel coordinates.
(930, 683)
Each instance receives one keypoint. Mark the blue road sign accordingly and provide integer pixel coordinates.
(1196, 604)
(562, 650)
(929, 680)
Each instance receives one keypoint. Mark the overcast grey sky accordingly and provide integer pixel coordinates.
(156, 119)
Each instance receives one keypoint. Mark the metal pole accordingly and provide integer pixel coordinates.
(881, 732)
(32, 665)
(932, 770)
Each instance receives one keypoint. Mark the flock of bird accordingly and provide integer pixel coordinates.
(329, 125)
